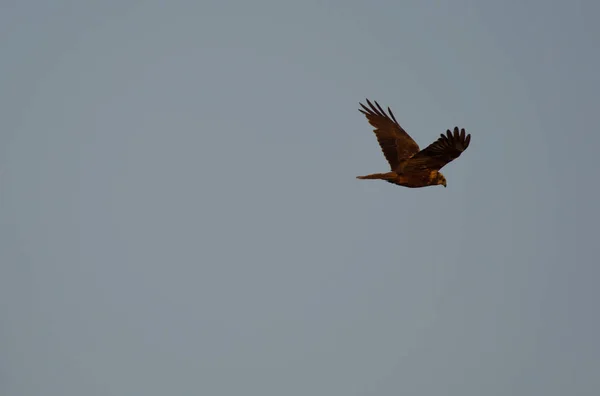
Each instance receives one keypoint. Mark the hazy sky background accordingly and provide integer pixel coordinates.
(179, 213)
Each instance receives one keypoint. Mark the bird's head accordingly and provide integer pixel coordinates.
(441, 179)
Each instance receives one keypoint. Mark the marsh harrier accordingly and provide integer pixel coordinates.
(410, 166)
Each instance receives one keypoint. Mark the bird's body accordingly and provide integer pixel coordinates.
(414, 180)
(410, 166)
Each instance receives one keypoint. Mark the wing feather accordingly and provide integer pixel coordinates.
(395, 143)
(439, 153)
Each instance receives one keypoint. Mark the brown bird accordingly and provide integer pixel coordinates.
(409, 166)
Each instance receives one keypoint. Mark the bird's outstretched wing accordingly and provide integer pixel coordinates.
(395, 143)
(447, 148)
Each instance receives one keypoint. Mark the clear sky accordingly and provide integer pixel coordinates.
(179, 213)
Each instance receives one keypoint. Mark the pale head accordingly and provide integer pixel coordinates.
(441, 179)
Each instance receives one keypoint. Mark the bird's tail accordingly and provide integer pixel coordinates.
(382, 176)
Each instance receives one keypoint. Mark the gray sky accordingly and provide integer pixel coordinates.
(179, 213)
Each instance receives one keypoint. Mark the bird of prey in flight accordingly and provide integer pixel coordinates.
(410, 166)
